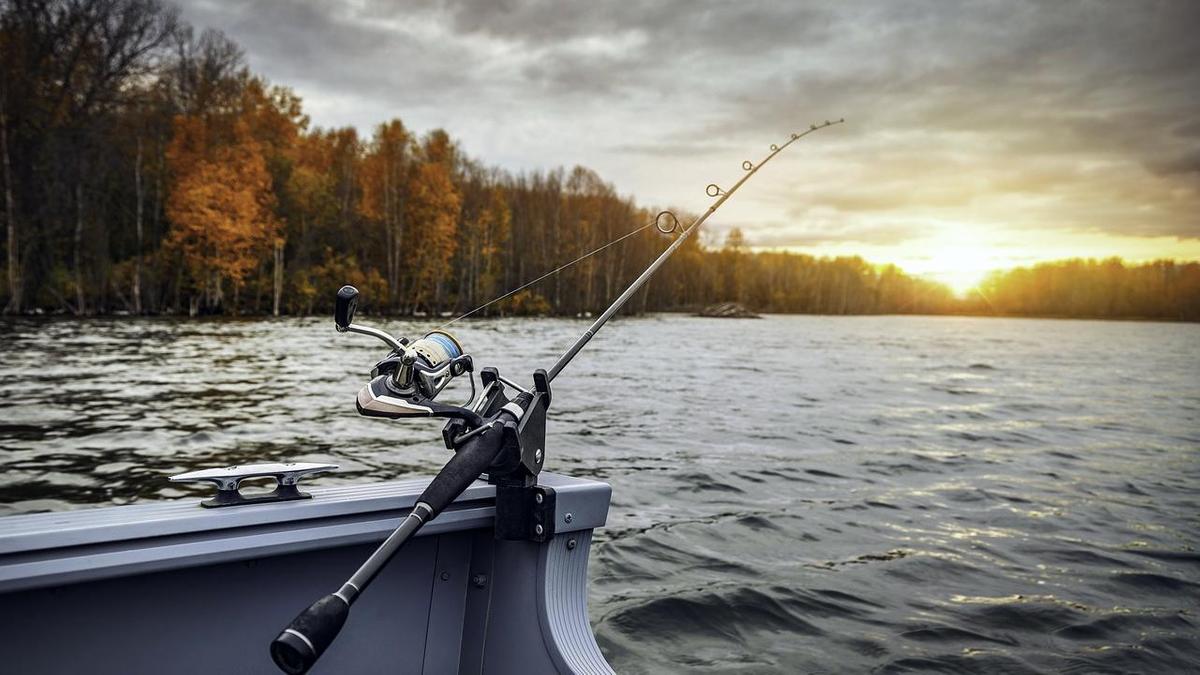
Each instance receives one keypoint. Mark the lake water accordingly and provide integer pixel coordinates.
(793, 494)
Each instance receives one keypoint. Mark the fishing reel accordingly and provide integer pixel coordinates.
(406, 382)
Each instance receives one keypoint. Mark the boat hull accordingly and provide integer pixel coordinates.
(173, 588)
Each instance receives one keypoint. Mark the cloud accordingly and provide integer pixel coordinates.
(1032, 114)
(817, 231)
(673, 150)
(1188, 162)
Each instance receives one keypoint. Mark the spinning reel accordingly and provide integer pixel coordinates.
(406, 382)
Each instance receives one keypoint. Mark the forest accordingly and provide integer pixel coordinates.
(146, 170)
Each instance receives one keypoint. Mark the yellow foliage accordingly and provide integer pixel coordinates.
(433, 208)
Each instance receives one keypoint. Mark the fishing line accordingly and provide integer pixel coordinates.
(655, 223)
(502, 436)
(712, 190)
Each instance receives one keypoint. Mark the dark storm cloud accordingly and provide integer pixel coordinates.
(1086, 110)
(678, 26)
(327, 47)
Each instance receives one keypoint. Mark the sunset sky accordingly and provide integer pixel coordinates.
(979, 135)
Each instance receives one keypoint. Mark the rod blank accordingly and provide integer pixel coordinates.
(658, 262)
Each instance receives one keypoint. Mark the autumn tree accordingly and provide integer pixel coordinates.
(310, 208)
(483, 234)
(733, 265)
(221, 208)
(384, 184)
(433, 211)
(495, 226)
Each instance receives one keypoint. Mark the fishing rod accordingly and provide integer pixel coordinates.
(712, 190)
(491, 434)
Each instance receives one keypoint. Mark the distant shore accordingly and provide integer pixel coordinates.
(587, 316)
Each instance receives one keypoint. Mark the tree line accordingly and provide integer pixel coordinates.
(1102, 289)
(146, 170)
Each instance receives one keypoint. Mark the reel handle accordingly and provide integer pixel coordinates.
(343, 317)
(344, 308)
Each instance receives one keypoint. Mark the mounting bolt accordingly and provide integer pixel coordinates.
(569, 517)
(538, 529)
(571, 544)
(479, 580)
(445, 576)
(537, 456)
(537, 497)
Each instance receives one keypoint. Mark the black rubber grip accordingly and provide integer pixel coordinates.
(304, 640)
(472, 459)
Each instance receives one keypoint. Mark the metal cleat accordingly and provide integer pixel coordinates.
(287, 478)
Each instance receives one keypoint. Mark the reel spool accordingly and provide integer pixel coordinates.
(437, 354)
(437, 347)
(426, 365)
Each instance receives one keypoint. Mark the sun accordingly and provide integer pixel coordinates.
(958, 265)
(962, 282)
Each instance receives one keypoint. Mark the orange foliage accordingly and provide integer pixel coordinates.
(381, 179)
(221, 205)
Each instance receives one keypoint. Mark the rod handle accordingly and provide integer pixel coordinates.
(472, 459)
(308, 635)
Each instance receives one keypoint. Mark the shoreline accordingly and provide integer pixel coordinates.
(60, 315)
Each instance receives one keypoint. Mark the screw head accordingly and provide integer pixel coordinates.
(479, 580)
(445, 576)
(539, 529)
(537, 497)
(569, 517)
(537, 456)
(571, 544)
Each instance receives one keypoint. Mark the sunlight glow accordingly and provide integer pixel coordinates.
(961, 254)
(959, 266)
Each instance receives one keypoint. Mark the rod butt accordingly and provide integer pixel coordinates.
(308, 635)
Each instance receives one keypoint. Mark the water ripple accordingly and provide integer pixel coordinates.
(865, 494)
